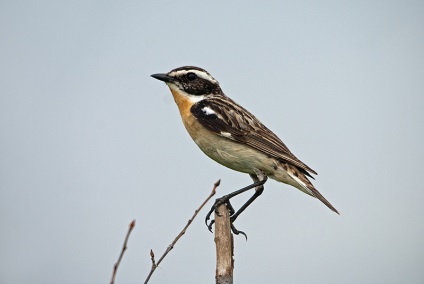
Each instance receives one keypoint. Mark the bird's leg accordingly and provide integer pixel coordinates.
(258, 191)
(259, 180)
(225, 199)
(248, 202)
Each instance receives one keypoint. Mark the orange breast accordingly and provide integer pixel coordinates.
(184, 105)
(183, 102)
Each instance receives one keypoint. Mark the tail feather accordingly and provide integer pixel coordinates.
(323, 199)
(307, 187)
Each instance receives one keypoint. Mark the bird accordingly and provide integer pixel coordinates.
(232, 136)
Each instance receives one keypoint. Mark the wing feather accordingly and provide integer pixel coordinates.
(226, 118)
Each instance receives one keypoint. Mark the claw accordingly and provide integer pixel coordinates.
(208, 216)
(214, 208)
(210, 226)
(237, 232)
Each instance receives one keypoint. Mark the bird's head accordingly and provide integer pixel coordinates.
(190, 81)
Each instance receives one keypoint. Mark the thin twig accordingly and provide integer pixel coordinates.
(152, 256)
(124, 248)
(171, 246)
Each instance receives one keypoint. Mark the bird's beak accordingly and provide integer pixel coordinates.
(163, 77)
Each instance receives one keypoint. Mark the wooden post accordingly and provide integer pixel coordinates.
(224, 247)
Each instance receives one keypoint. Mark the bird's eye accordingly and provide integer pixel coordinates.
(191, 76)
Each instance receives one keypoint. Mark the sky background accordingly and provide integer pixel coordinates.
(89, 141)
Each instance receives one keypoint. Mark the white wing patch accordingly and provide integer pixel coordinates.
(208, 111)
(226, 134)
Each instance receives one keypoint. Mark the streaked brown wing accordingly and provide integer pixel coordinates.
(228, 119)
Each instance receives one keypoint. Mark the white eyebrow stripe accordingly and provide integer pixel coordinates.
(199, 73)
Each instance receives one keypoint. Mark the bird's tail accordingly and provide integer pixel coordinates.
(303, 184)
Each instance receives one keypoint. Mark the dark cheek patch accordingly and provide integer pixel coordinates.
(199, 87)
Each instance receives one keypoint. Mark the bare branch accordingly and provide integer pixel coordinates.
(224, 246)
(171, 246)
(124, 248)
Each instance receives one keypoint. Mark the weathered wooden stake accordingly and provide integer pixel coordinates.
(224, 247)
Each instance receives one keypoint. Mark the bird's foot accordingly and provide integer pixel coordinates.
(218, 202)
(237, 232)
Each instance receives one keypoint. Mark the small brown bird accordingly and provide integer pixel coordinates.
(232, 136)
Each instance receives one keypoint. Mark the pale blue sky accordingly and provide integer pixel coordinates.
(89, 141)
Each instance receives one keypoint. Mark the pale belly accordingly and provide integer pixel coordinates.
(237, 156)
(233, 155)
